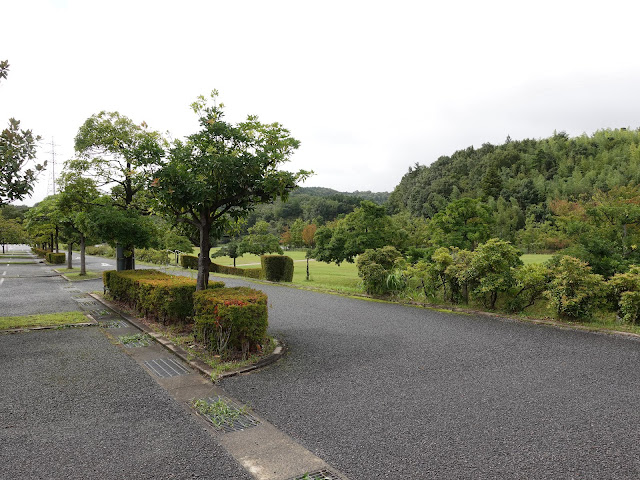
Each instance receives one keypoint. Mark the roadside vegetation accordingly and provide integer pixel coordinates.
(536, 227)
(42, 320)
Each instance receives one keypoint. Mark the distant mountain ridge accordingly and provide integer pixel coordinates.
(376, 197)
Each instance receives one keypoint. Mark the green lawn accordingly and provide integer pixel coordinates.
(49, 319)
(74, 274)
(529, 258)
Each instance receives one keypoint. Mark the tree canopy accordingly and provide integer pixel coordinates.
(218, 174)
(17, 151)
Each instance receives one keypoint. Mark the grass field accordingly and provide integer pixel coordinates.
(329, 276)
(529, 258)
(74, 274)
(50, 319)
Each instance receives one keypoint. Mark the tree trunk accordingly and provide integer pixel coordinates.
(70, 255)
(234, 262)
(307, 269)
(57, 251)
(83, 268)
(203, 259)
(51, 244)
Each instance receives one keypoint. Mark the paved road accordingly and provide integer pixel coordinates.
(74, 406)
(385, 391)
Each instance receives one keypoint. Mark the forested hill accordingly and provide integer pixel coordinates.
(313, 204)
(532, 172)
(376, 197)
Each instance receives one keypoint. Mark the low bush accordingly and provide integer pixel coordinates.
(574, 292)
(189, 261)
(168, 298)
(235, 318)
(625, 292)
(375, 266)
(101, 251)
(56, 258)
(39, 252)
(277, 268)
(242, 272)
(159, 257)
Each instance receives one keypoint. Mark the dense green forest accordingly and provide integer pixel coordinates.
(531, 172)
(312, 204)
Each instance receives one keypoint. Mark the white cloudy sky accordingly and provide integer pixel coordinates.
(368, 87)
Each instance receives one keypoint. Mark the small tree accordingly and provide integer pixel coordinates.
(375, 266)
(492, 268)
(531, 281)
(625, 288)
(309, 240)
(218, 174)
(260, 240)
(574, 292)
(11, 231)
(232, 250)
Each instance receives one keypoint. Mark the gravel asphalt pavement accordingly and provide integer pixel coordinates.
(75, 406)
(386, 391)
(380, 391)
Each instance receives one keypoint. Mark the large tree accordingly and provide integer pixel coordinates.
(367, 227)
(17, 151)
(76, 201)
(218, 174)
(121, 155)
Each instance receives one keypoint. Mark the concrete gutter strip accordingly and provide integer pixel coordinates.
(263, 450)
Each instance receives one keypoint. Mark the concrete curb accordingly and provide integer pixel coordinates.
(196, 363)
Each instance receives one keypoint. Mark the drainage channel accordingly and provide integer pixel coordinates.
(264, 451)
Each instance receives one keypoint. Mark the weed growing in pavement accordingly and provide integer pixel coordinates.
(219, 412)
(141, 338)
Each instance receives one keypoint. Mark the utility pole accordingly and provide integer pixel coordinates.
(53, 167)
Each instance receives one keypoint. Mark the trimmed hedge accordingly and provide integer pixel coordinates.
(166, 297)
(189, 261)
(242, 272)
(277, 268)
(56, 258)
(235, 318)
(159, 257)
(40, 252)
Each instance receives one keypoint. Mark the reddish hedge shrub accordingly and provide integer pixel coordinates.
(234, 318)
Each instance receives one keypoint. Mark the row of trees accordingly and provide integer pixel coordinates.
(126, 179)
(494, 272)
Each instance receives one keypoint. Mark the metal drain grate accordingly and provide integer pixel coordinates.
(101, 313)
(166, 367)
(114, 324)
(319, 475)
(230, 417)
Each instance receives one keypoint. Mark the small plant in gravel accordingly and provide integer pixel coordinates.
(141, 338)
(219, 412)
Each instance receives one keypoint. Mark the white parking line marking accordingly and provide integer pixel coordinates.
(4, 273)
(1, 280)
(103, 264)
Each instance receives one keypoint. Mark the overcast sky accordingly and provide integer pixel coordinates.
(368, 87)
